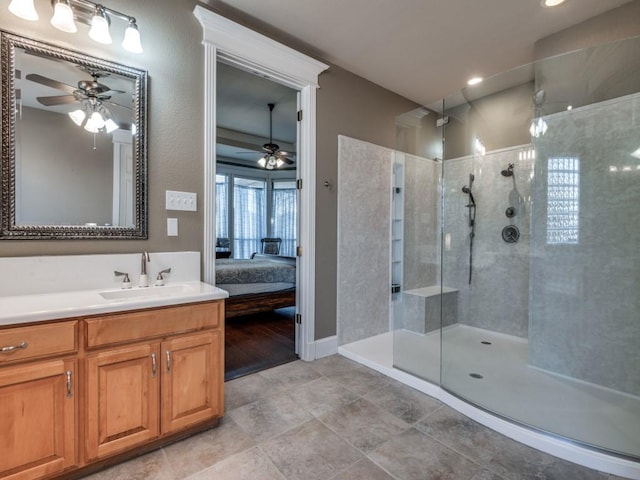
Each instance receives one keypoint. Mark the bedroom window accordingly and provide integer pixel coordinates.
(249, 215)
(244, 202)
(283, 215)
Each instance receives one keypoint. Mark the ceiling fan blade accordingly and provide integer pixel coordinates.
(286, 160)
(34, 77)
(56, 100)
(116, 104)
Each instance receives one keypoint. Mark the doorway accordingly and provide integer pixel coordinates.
(256, 218)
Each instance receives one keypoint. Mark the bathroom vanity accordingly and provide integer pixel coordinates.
(90, 378)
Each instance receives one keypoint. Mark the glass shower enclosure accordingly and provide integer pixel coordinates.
(518, 274)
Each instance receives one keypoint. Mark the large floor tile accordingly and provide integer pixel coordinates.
(271, 416)
(463, 435)
(245, 390)
(310, 452)
(208, 448)
(364, 469)
(251, 464)
(404, 402)
(322, 395)
(347, 373)
(152, 466)
(519, 462)
(363, 424)
(292, 374)
(415, 456)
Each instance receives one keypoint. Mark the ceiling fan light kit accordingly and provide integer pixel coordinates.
(274, 157)
(98, 17)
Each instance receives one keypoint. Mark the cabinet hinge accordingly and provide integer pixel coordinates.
(298, 251)
(298, 318)
(299, 184)
(299, 115)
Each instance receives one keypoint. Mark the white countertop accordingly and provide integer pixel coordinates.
(49, 306)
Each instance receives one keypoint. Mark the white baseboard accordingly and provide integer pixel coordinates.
(326, 346)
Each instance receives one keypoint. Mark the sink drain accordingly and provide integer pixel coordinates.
(475, 375)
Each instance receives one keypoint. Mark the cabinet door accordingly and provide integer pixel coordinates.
(122, 399)
(37, 419)
(192, 386)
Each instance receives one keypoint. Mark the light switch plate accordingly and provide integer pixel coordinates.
(172, 227)
(181, 201)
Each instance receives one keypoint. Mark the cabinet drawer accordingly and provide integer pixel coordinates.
(36, 341)
(144, 324)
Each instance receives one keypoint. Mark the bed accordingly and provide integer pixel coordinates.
(262, 283)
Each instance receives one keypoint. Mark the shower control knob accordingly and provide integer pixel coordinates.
(510, 234)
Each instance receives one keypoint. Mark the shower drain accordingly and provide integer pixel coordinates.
(484, 342)
(476, 375)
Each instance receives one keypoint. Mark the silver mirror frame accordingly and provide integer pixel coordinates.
(9, 229)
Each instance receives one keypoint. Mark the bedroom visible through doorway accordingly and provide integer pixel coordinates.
(256, 218)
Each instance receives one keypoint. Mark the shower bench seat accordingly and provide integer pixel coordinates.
(423, 306)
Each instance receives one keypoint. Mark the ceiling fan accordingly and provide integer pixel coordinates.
(91, 90)
(274, 157)
(91, 94)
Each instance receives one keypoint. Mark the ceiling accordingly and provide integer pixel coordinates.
(423, 50)
(243, 115)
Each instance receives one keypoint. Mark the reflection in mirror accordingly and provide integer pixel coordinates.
(74, 149)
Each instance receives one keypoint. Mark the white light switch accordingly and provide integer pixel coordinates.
(172, 227)
(181, 201)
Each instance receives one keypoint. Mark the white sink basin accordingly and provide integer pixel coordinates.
(149, 292)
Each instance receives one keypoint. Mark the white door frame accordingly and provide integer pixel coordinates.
(248, 50)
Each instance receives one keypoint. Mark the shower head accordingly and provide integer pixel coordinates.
(508, 172)
(466, 190)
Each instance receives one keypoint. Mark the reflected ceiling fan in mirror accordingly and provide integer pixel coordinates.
(91, 94)
(274, 157)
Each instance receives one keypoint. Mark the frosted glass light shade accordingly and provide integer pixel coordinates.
(262, 162)
(95, 123)
(77, 116)
(131, 39)
(110, 125)
(100, 29)
(24, 9)
(63, 17)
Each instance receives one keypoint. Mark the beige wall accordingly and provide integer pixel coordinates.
(173, 56)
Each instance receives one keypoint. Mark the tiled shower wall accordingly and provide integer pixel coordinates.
(584, 319)
(364, 232)
(498, 297)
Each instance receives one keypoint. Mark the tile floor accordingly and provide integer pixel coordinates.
(335, 419)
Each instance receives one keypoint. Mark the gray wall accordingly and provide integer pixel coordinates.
(62, 179)
(347, 104)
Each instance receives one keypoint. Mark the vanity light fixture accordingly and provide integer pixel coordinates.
(551, 3)
(67, 12)
(24, 9)
(63, 17)
(100, 27)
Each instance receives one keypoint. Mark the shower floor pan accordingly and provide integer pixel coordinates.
(490, 369)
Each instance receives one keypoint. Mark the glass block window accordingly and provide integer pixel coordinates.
(563, 200)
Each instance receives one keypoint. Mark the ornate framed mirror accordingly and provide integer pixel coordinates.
(73, 144)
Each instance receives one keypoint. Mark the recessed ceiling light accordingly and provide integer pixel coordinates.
(474, 80)
(551, 3)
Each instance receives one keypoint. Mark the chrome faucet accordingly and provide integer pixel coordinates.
(144, 282)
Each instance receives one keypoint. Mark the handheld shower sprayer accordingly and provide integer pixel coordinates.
(472, 220)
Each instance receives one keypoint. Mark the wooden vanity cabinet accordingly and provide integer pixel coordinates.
(38, 400)
(153, 373)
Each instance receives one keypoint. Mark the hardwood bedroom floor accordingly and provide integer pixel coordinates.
(259, 341)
